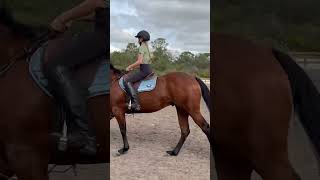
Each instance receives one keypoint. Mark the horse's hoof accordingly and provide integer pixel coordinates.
(123, 150)
(172, 153)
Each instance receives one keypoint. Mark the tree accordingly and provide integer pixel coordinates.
(162, 58)
(160, 45)
(185, 58)
(163, 61)
(131, 48)
(286, 24)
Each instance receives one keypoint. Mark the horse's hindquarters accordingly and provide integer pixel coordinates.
(252, 102)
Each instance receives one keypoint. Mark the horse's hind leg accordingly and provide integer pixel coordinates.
(5, 172)
(28, 162)
(184, 126)
(202, 123)
(121, 119)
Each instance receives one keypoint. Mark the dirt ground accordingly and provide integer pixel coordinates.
(84, 172)
(150, 136)
(148, 160)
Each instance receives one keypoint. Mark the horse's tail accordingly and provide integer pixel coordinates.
(306, 98)
(205, 92)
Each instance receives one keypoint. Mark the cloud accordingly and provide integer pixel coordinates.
(185, 24)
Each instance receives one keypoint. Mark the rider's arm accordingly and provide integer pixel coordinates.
(137, 63)
(85, 8)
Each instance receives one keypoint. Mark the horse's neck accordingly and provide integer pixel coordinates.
(14, 49)
(114, 77)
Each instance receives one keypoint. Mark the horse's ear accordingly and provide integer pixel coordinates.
(111, 66)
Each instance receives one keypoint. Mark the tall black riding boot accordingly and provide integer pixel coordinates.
(67, 91)
(134, 96)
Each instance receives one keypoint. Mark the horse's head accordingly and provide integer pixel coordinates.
(13, 35)
(116, 73)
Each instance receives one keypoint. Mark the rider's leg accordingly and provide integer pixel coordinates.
(131, 91)
(145, 70)
(67, 91)
(62, 55)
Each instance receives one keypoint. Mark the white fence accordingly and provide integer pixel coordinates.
(307, 59)
(207, 81)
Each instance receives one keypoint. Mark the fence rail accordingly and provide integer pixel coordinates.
(306, 57)
(207, 81)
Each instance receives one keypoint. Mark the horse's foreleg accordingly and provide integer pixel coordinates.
(230, 166)
(5, 171)
(184, 126)
(276, 167)
(121, 119)
(27, 161)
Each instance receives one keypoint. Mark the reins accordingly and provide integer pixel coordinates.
(118, 75)
(118, 78)
(12, 61)
(115, 80)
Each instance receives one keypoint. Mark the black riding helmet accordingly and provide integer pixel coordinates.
(144, 35)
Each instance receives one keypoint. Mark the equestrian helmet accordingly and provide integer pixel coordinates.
(144, 35)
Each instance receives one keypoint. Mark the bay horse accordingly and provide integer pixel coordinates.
(256, 90)
(177, 89)
(27, 112)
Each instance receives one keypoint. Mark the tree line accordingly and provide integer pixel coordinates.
(164, 61)
(291, 25)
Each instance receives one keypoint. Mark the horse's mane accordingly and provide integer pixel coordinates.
(7, 19)
(116, 71)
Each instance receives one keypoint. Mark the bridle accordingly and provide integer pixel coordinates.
(27, 51)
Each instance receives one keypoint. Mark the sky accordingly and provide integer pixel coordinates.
(185, 24)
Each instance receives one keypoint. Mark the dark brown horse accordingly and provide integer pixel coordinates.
(177, 89)
(255, 92)
(27, 113)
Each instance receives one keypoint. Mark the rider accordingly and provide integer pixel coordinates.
(143, 61)
(63, 54)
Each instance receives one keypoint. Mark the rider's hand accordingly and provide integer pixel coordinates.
(58, 25)
(128, 68)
